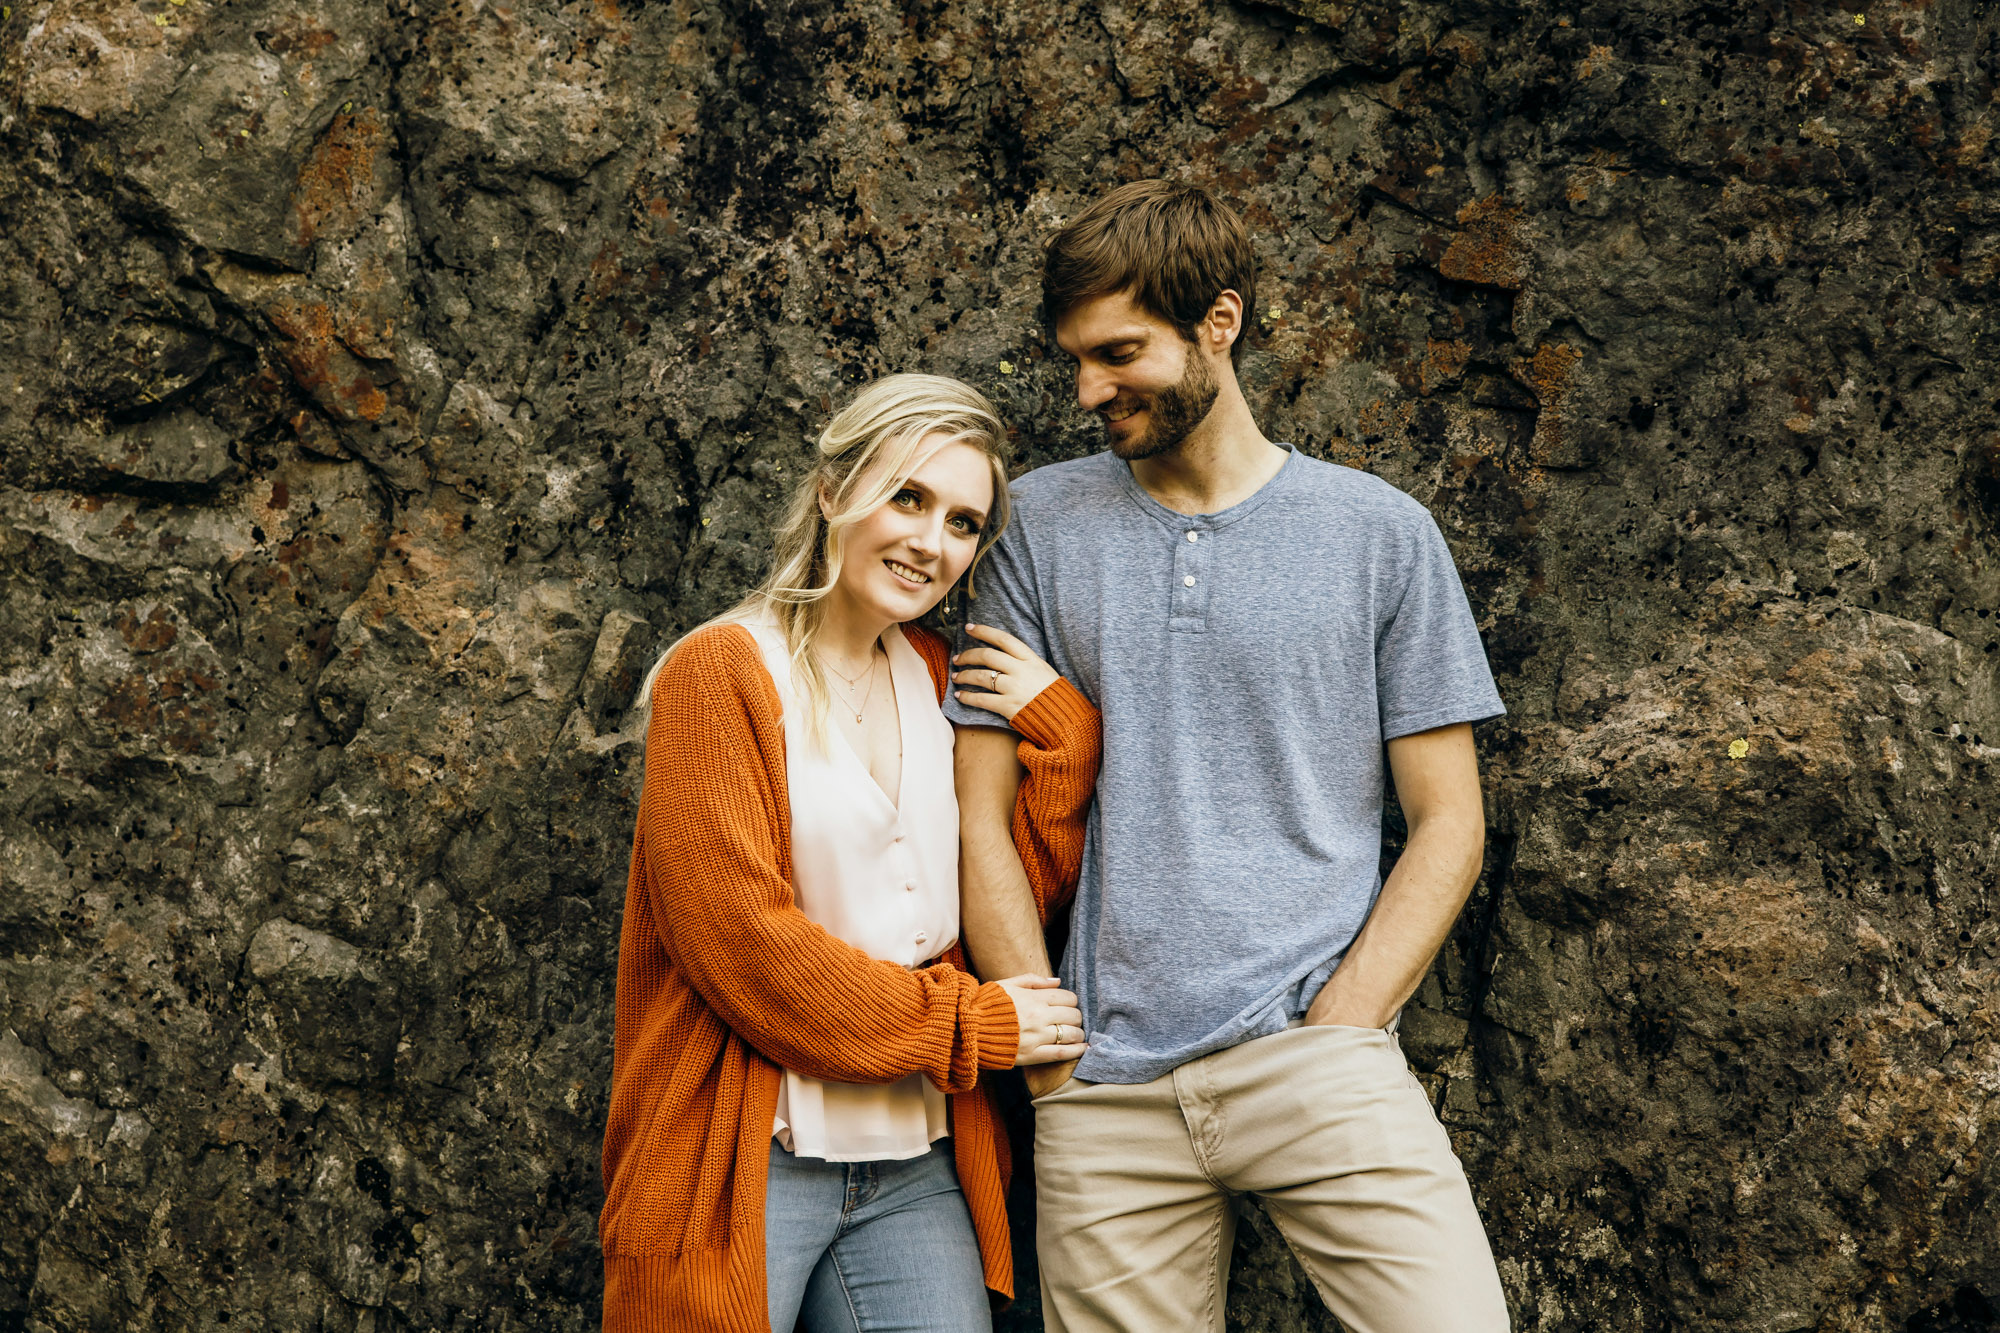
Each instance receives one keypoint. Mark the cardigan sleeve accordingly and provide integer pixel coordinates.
(713, 821)
(1061, 740)
(1061, 748)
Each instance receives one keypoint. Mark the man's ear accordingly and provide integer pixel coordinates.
(1224, 324)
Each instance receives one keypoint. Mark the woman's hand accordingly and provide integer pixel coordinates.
(1008, 674)
(1051, 1024)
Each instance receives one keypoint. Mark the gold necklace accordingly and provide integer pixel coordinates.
(853, 684)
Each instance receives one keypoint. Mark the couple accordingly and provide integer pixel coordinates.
(799, 1131)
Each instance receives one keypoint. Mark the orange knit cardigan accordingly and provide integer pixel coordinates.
(722, 982)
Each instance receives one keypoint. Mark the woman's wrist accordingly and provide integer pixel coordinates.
(1054, 715)
(996, 1026)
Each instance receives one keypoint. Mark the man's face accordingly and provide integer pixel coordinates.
(1150, 386)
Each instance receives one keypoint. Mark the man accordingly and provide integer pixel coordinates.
(1257, 627)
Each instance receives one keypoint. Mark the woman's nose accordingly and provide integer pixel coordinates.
(928, 539)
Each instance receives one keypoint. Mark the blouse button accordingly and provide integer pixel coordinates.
(922, 938)
(910, 887)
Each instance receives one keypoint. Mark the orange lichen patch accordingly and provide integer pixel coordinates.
(1489, 248)
(1972, 145)
(150, 635)
(1598, 59)
(336, 187)
(166, 706)
(1548, 373)
(302, 41)
(606, 274)
(322, 364)
(1444, 361)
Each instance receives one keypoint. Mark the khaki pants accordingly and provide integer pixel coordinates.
(1326, 1125)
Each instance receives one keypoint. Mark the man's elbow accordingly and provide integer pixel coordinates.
(1456, 832)
(987, 773)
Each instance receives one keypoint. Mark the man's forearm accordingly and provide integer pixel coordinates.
(1003, 936)
(997, 918)
(1419, 904)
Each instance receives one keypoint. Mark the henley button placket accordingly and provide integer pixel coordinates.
(1189, 603)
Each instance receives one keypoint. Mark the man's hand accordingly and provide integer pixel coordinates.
(1047, 1078)
(1437, 782)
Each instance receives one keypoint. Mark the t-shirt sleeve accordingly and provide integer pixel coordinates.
(1430, 667)
(1005, 582)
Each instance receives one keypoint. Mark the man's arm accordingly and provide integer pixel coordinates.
(997, 919)
(1437, 782)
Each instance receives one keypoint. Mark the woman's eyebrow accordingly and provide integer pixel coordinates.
(912, 484)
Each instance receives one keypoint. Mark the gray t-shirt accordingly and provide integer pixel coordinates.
(1249, 666)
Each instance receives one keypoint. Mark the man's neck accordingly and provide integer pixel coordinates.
(1223, 461)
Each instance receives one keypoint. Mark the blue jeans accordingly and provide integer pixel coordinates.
(872, 1247)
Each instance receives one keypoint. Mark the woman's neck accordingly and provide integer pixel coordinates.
(848, 634)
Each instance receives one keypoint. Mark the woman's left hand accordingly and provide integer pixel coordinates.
(1007, 675)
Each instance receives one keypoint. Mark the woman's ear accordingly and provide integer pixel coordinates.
(825, 503)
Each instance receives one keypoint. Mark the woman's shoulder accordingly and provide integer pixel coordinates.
(721, 653)
(935, 649)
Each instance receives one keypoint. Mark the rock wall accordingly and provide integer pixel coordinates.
(383, 382)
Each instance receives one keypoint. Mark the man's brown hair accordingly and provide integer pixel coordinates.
(1174, 247)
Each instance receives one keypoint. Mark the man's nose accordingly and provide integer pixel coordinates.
(1094, 388)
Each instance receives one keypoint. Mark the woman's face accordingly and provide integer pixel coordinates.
(902, 558)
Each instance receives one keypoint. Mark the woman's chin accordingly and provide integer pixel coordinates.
(901, 603)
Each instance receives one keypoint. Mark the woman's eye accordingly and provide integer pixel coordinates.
(966, 526)
(905, 496)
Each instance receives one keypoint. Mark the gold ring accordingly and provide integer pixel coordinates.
(1060, 1040)
(993, 677)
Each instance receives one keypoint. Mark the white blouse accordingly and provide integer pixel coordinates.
(881, 876)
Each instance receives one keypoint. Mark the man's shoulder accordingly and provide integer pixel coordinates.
(1358, 490)
(1054, 486)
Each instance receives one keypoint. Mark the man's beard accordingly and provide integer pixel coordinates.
(1175, 412)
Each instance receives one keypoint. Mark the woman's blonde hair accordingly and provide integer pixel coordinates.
(863, 457)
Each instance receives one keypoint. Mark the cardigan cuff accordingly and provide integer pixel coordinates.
(1055, 715)
(995, 1026)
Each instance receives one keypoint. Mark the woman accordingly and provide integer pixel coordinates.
(796, 1029)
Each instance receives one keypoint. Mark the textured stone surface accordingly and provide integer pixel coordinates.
(382, 384)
